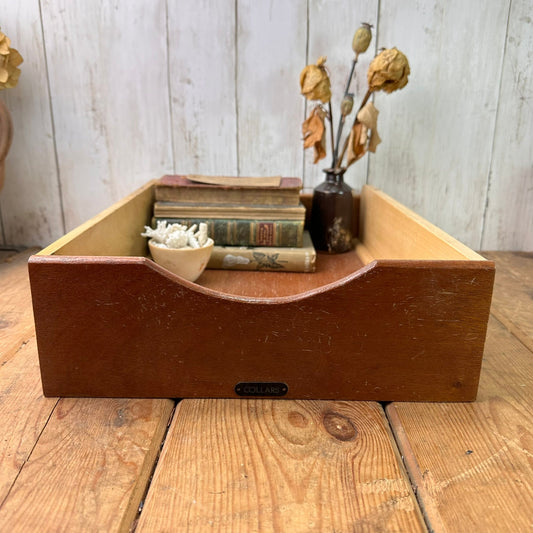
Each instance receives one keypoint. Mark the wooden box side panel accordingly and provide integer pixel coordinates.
(388, 230)
(394, 331)
(114, 232)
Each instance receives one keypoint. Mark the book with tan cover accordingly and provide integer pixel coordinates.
(278, 259)
(229, 190)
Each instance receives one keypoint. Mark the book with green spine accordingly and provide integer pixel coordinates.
(247, 232)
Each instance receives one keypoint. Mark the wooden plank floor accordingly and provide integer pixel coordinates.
(257, 465)
(298, 466)
(472, 464)
(65, 465)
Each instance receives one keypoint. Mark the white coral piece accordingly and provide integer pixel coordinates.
(177, 235)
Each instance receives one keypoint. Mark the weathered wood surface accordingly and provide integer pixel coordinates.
(90, 467)
(83, 465)
(245, 465)
(509, 211)
(112, 95)
(426, 159)
(16, 316)
(271, 43)
(79, 465)
(471, 463)
(24, 412)
(31, 203)
(512, 300)
(202, 66)
(107, 66)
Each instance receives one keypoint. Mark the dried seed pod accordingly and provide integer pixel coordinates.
(362, 38)
(388, 71)
(314, 82)
(347, 105)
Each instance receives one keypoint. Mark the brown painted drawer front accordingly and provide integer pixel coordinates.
(393, 330)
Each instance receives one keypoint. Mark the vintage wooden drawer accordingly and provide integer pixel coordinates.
(403, 317)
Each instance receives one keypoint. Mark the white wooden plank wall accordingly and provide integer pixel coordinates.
(116, 92)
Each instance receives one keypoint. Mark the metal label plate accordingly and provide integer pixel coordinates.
(261, 389)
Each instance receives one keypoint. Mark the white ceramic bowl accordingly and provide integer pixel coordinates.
(188, 263)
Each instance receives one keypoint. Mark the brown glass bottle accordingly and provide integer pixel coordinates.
(332, 214)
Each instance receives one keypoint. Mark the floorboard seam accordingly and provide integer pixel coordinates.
(156, 462)
(431, 516)
(29, 454)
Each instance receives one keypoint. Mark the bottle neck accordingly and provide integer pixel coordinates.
(334, 176)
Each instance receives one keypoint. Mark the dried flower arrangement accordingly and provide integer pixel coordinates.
(332, 208)
(10, 59)
(388, 72)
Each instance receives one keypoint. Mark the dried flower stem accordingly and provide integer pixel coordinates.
(331, 134)
(336, 162)
(339, 132)
(345, 146)
(349, 82)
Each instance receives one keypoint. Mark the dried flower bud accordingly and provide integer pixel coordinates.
(362, 38)
(347, 105)
(314, 82)
(314, 132)
(5, 43)
(10, 59)
(388, 71)
(9, 73)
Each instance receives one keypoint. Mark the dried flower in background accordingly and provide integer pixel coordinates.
(314, 82)
(314, 132)
(368, 117)
(10, 59)
(356, 144)
(5, 42)
(388, 71)
(362, 38)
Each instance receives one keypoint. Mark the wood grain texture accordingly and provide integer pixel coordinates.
(479, 476)
(30, 200)
(271, 44)
(24, 412)
(437, 132)
(16, 317)
(389, 230)
(426, 346)
(202, 82)
(23, 409)
(108, 75)
(345, 18)
(279, 466)
(509, 211)
(512, 299)
(115, 231)
(90, 467)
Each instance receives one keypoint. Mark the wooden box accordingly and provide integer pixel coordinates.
(403, 317)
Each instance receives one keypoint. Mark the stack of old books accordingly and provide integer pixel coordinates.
(256, 223)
